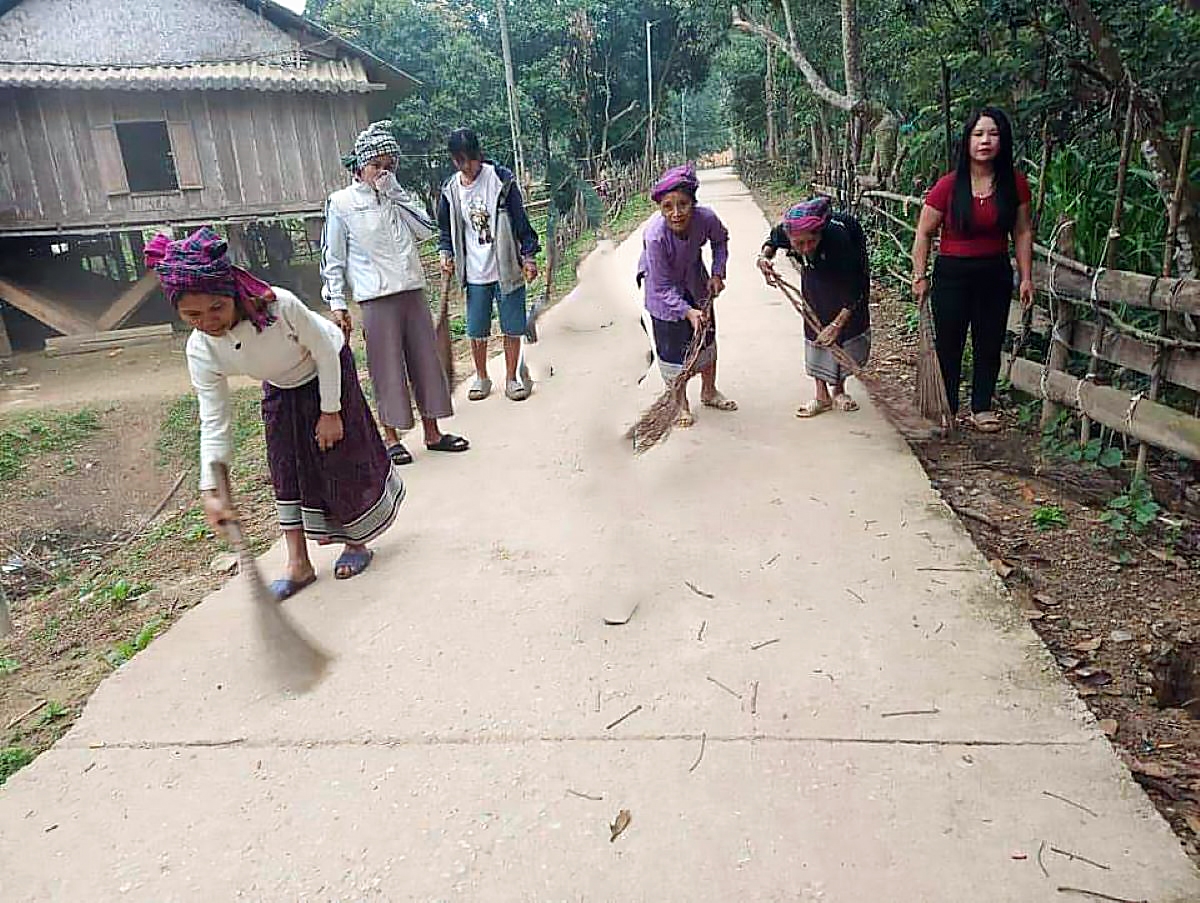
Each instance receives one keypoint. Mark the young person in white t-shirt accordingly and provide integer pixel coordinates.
(486, 241)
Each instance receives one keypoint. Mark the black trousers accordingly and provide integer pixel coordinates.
(974, 293)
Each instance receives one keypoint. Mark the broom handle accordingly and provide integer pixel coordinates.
(793, 295)
(232, 526)
(444, 310)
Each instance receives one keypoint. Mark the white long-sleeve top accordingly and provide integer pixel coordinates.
(367, 245)
(299, 345)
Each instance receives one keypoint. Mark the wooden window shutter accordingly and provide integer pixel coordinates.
(187, 160)
(108, 156)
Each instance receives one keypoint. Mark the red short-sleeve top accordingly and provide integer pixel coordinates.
(987, 239)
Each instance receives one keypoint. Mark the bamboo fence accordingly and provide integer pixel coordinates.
(1138, 381)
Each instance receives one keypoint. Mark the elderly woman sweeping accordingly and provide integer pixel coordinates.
(831, 253)
(677, 283)
(333, 481)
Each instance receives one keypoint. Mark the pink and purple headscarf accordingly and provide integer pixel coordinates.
(200, 263)
(678, 177)
(808, 216)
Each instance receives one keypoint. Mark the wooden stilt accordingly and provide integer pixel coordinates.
(54, 314)
(127, 303)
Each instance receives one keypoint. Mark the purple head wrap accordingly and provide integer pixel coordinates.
(199, 263)
(808, 216)
(682, 176)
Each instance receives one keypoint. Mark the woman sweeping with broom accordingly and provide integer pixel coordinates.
(975, 208)
(831, 251)
(677, 284)
(333, 481)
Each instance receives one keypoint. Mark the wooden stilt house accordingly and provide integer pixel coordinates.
(119, 116)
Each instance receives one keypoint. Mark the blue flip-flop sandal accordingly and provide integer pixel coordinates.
(354, 563)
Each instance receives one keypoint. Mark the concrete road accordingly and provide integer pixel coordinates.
(465, 745)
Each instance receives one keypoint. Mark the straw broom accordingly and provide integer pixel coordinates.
(931, 399)
(443, 340)
(656, 421)
(295, 659)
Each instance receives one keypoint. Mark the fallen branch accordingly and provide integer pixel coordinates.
(1095, 894)
(1063, 799)
(703, 740)
(697, 590)
(1076, 857)
(585, 796)
(633, 711)
(933, 711)
(728, 690)
(25, 714)
(756, 646)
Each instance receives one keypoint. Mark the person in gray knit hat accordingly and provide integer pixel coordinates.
(372, 229)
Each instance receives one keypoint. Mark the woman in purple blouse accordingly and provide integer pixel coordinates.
(677, 283)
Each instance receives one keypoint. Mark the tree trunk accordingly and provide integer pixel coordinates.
(769, 103)
(851, 50)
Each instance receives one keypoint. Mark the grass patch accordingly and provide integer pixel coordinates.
(127, 649)
(179, 434)
(12, 760)
(31, 433)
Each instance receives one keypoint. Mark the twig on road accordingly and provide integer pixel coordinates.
(950, 570)
(1077, 857)
(756, 646)
(1042, 865)
(1063, 799)
(633, 711)
(697, 590)
(754, 698)
(856, 596)
(703, 741)
(728, 690)
(934, 711)
(770, 561)
(700, 632)
(585, 796)
(1096, 895)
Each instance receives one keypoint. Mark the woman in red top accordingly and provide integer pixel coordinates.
(976, 208)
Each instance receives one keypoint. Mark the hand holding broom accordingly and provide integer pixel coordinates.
(295, 659)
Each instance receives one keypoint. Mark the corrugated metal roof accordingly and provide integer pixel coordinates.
(328, 76)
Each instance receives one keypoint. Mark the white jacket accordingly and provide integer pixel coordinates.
(368, 245)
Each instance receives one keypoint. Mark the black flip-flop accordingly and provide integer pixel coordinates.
(449, 443)
(399, 455)
(285, 587)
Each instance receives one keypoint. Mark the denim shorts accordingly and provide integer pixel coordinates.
(480, 300)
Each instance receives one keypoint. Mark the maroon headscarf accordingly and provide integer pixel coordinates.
(200, 263)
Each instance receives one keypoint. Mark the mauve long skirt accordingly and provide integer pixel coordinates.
(402, 351)
(349, 493)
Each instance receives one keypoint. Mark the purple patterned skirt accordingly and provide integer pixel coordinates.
(346, 494)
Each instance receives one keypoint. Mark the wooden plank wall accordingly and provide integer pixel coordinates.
(260, 153)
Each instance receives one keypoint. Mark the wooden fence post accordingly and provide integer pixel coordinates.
(1161, 354)
(1064, 321)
